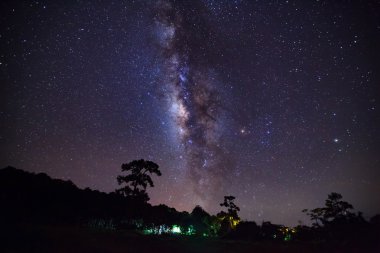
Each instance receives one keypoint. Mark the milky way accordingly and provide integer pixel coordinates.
(274, 102)
(192, 98)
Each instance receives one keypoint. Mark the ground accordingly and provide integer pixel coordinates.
(64, 238)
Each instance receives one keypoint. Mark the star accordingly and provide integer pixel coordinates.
(208, 90)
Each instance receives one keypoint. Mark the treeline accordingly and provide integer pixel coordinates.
(28, 196)
(38, 199)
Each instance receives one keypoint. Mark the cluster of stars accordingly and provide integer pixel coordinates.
(273, 102)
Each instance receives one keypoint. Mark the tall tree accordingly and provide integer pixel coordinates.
(200, 220)
(337, 221)
(231, 218)
(232, 208)
(335, 210)
(137, 179)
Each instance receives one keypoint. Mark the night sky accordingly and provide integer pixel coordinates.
(274, 102)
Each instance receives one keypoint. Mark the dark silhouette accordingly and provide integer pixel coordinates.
(336, 222)
(335, 210)
(38, 212)
(137, 179)
(231, 207)
(229, 219)
(270, 231)
(37, 197)
(246, 230)
(201, 221)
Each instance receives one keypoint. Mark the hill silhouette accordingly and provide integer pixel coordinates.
(30, 196)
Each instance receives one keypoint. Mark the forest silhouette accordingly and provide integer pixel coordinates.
(35, 207)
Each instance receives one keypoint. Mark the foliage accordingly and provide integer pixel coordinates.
(201, 220)
(231, 207)
(336, 221)
(335, 210)
(137, 179)
(230, 219)
(39, 199)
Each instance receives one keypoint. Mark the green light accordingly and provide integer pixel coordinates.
(287, 238)
(190, 230)
(148, 231)
(176, 229)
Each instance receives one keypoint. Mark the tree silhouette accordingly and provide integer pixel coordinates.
(231, 207)
(199, 213)
(137, 179)
(230, 219)
(335, 210)
(336, 220)
(200, 220)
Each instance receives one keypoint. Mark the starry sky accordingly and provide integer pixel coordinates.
(274, 102)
